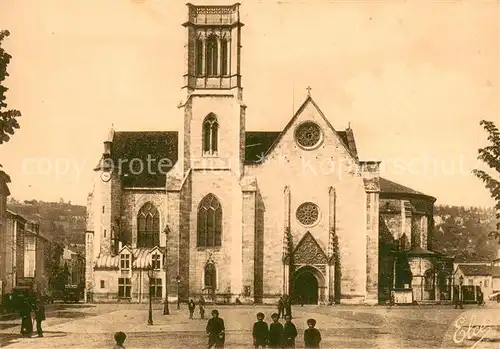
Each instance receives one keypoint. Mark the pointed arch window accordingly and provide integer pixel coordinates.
(199, 57)
(209, 222)
(212, 56)
(148, 226)
(429, 280)
(224, 57)
(210, 276)
(210, 135)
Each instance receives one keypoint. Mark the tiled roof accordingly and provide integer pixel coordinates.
(107, 262)
(257, 144)
(475, 269)
(130, 150)
(417, 251)
(387, 186)
(134, 149)
(140, 259)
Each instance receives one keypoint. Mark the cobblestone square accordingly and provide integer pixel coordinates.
(93, 326)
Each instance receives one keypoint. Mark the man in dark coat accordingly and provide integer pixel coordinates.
(276, 333)
(201, 306)
(312, 336)
(281, 308)
(215, 331)
(191, 307)
(39, 316)
(290, 333)
(288, 306)
(260, 332)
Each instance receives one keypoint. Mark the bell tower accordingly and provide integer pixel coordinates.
(214, 47)
(214, 113)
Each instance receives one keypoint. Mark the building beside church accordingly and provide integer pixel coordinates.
(220, 211)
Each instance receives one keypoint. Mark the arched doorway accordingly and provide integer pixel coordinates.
(306, 285)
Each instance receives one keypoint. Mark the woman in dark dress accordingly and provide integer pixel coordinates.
(26, 321)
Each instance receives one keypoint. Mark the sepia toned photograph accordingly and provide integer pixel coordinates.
(253, 174)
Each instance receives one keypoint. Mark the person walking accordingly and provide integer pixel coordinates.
(39, 315)
(191, 307)
(201, 306)
(216, 331)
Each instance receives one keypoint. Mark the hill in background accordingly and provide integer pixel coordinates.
(59, 221)
(463, 233)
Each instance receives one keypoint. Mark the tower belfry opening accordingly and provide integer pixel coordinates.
(214, 47)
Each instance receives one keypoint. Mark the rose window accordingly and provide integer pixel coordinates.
(308, 213)
(308, 134)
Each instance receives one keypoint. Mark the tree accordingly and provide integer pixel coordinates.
(490, 155)
(8, 121)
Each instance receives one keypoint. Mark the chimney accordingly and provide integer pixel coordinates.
(109, 141)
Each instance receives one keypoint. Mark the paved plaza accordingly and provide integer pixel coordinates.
(93, 326)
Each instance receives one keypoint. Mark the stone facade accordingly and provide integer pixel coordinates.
(25, 256)
(239, 214)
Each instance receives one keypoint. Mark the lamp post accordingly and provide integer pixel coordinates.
(460, 293)
(178, 279)
(166, 311)
(150, 276)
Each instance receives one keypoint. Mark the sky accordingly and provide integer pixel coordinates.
(413, 79)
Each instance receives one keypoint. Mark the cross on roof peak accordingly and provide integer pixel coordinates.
(308, 90)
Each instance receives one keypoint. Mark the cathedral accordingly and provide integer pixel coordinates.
(216, 210)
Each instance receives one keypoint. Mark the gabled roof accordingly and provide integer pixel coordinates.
(126, 247)
(475, 269)
(390, 187)
(347, 137)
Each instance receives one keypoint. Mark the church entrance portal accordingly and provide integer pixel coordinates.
(306, 285)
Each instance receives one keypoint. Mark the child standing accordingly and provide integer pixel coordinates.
(290, 332)
(312, 336)
(275, 332)
(260, 332)
(119, 339)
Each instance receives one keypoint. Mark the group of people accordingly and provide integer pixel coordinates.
(201, 307)
(284, 306)
(26, 309)
(276, 335)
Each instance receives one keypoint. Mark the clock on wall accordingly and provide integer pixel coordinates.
(106, 176)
